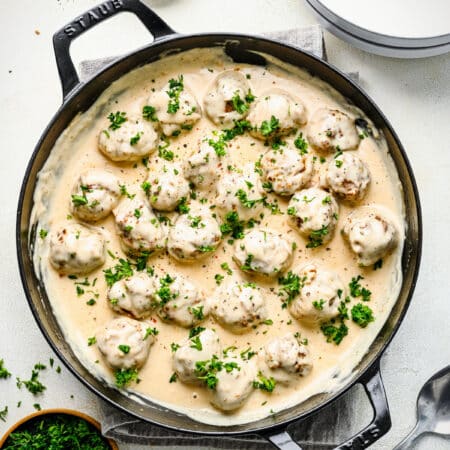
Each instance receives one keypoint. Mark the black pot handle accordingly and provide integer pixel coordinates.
(379, 426)
(63, 38)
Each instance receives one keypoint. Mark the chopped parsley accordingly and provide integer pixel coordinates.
(233, 225)
(247, 266)
(124, 348)
(173, 378)
(226, 267)
(247, 354)
(356, 290)
(291, 287)
(315, 238)
(263, 383)
(219, 146)
(318, 304)
(135, 139)
(268, 322)
(4, 373)
(175, 89)
(207, 248)
(150, 332)
(117, 119)
(245, 201)
(196, 343)
(165, 153)
(269, 126)
(362, 315)
(121, 270)
(174, 347)
(164, 293)
(79, 200)
(43, 233)
(195, 331)
(91, 340)
(149, 113)
(239, 104)
(182, 206)
(219, 278)
(125, 376)
(125, 193)
(378, 264)
(3, 414)
(198, 313)
(33, 385)
(333, 332)
(301, 144)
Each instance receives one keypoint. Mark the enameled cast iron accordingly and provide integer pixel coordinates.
(78, 97)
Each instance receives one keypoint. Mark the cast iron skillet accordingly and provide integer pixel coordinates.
(78, 97)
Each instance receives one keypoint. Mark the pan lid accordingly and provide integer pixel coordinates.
(400, 23)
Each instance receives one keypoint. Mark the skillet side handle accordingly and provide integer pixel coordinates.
(381, 421)
(64, 37)
(379, 426)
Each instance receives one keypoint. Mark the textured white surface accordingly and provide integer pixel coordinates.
(413, 94)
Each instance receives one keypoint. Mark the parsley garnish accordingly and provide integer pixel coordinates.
(182, 206)
(269, 126)
(197, 343)
(174, 347)
(233, 225)
(117, 120)
(4, 413)
(135, 139)
(356, 290)
(175, 89)
(121, 270)
(362, 315)
(301, 144)
(125, 376)
(318, 304)
(315, 239)
(195, 331)
(150, 332)
(239, 105)
(219, 278)
(334, 333)
(226, 267)
(291, 287)
(149, 113)
(43, 233)
(198, 313)
(245, 201)
(124, 348)
(265, 384)
(79, 200)
(173, 378)
(164, 153)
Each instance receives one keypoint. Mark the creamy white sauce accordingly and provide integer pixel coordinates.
(76, 150)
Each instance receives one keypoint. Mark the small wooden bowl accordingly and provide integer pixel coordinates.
(56, 411)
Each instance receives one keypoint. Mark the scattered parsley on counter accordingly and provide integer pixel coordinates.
(33, 384)
(117, 120)
(263, 383)
(125, 376)
(362, 315)
(57, 431)
(4, 373)
(4, 413)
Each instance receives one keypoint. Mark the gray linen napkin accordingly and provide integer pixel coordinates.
(324, 431)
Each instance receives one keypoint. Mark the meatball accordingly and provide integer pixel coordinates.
(166, 188)
(241, 192)
(94, 195)
(283, 358)
(194, 235)
(176, 107)
(320, 295)
(125, 343)
(138, 227)
(228, 99)
(313, 213)
(199, 348)
(76, 249)
(286, 169)
(263, 251)
(234, 386)
(276, 114)
(348, 177)
(180, 301)
(370, 234)
(331, 129)
(134, 295)
(238, 306)
(130, 141)
(203, 166)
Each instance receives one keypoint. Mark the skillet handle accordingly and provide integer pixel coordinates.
(379, 426)
(64, 37)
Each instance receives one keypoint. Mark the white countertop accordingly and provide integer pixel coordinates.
(413, 94)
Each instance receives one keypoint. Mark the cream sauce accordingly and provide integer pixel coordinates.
(76, 150)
